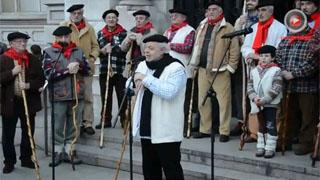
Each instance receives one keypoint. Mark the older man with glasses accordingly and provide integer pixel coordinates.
(14, 62)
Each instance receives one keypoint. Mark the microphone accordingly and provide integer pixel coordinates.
(244, 31)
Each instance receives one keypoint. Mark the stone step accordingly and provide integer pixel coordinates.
(227, 156)
(109, 157)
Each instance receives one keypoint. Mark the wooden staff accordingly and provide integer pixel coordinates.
(105, 101)
(74, 110)
(33, 149)
(316, 148)
(123, 147)
(190, 105)
(285, 121)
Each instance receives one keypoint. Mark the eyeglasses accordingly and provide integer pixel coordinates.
(20, 41)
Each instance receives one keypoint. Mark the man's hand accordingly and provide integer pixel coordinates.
(24, 86)
(242, 20)
(73, 67)
(107, 48)
(132, 37)
(16, 70)
(138, 78)
(193, 70)
(287, 75)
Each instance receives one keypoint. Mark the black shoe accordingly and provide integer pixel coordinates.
(89, 130)
(106, 125)
(224, 138)
(28, 164)
(8, 168)
(67, 158)
(199, 135)
(57, 159)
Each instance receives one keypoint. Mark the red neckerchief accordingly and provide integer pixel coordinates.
(108, 35)
(262, 33)
(305, 37)
(268, 65)
(316, 18)
(213, 22)
(66, 50)
(147, 26)
(23, 59)
(81, 25)
(176, 27)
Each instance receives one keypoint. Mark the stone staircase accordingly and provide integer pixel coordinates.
(229, 162)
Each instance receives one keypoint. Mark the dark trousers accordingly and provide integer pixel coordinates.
(156, 157)
(303, 113)
(267, 120)
(9, 131)
(117, 81)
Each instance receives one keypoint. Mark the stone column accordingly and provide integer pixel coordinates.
(157, 8)
(93, 10)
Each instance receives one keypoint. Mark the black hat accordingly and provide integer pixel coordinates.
(267, 49)
(62, 30)
(156, 38)
(16, 35)
(75, 7)
(141, 12)
(215, 2)
(177, 10)
(110, 11)
(314, 1)
(263, 3)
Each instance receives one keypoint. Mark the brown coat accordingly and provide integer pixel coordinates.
(34, 75)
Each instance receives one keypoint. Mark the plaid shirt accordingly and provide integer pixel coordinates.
(186, 46)
(298, 58)
(118, 57)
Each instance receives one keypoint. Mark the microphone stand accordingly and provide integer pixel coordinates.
(51, 86)
(214, 101)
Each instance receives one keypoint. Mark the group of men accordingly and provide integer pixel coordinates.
(164, 67)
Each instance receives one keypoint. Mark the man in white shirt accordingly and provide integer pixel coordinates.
(158, 113)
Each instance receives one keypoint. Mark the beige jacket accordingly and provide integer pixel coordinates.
(86, 39)
(217, 47)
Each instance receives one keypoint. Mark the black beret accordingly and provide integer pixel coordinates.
(218, 3)
(110, 11)
(267, 49)
(62, 30)
(141, 12)
(156, 38)
(263, 3)
(177, 10)
(16, 35)
(75, 7)
(314, 1)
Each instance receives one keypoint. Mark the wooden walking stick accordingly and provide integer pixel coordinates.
(245, 127)
(33, 149)
(105, 101)
(190, 106)
(316, 148)
(123, 147)
(74, 110)
(284, 123)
